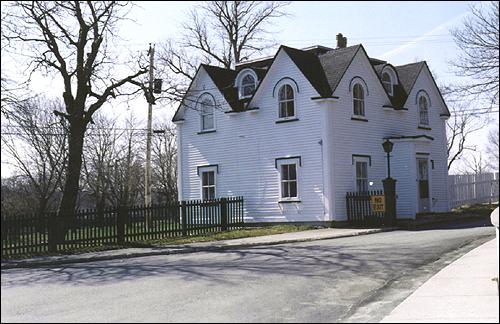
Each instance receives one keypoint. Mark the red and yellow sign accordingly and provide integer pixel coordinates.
(378, 203)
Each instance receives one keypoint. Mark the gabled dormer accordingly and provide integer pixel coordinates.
(246, 82)
(389, 79)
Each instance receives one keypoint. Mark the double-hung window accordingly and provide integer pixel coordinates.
(358, 98)
(423, 108)
(286, 102)
(208, 185)
(207, 115)
(361, 176)
(289, 181)
(288, 169)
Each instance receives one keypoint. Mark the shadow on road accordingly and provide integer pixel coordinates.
(229, 267)
(376, 257)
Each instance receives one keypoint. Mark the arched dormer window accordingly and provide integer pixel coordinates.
(286, 100)
(246, 82)
(387, 82)
(207, 109)
(358, 100)
(423, 110)
(247, 85)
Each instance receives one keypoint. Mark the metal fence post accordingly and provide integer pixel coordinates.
(120, 225)
(184, 218)
(51, 232)
(223, 213)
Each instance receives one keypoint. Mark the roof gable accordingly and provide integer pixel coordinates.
(324, 69)
(335, 64)
(222, 78)
(408, 74)
(311, 67)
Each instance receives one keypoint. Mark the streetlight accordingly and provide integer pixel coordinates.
(387, 145)
(389, 187)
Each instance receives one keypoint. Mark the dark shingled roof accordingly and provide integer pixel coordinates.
(224, 80)
(323, 68)
(336, 62)
(309, 64)
(408, 74)
(264, 63)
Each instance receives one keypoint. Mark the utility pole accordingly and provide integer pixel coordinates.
(147, 182)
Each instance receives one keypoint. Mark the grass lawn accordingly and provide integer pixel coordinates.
(229, 235)
(233, 234)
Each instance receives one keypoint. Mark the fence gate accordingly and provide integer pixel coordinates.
(365, 208)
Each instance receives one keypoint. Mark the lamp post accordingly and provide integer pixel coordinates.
(387, 145)
(389, 188)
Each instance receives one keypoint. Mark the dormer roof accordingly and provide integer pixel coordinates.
(323, 67)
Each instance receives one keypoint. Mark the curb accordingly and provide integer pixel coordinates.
(181, 250)
(216, 248)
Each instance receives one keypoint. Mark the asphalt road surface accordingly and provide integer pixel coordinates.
(356, 279)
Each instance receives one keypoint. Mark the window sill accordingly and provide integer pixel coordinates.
(207, 131)
(359, 118)
(288, 201)
(424, 127)
(286, 120)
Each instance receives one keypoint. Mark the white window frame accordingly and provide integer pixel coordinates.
(206, 169)
(294, 116)
(420, 111)
(242, 86)
(356, 160)
(239, 82)
(360, 100)
(279, 164)
(201, 101)
(389, 83)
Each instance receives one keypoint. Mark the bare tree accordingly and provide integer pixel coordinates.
(221, 33)
(461, 125)
(74, 40)
(474, 164)
(493, 149)
(165, 164)
(36, 141)
(127, 176)
(100, 151)
(478, 41)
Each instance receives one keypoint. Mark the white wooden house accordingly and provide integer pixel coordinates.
(294, 133)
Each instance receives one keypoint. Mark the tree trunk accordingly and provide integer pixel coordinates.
(100, 205)
(71, 185)
(41, 214)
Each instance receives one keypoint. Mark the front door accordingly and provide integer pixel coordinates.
(423, 185)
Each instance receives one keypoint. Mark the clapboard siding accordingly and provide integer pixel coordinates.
(245, 146)
(357, 137)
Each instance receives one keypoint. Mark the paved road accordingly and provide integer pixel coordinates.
(350, 279)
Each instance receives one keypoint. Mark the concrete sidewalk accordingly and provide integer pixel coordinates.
(461, 292)
(310, 235)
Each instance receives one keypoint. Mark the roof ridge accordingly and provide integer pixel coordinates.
(340, 49)
(218, 67)
(419, 62)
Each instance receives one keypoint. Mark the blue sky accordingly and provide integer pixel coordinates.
(399, 32)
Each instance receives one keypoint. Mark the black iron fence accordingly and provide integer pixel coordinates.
(360, 210)
(35, 233)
